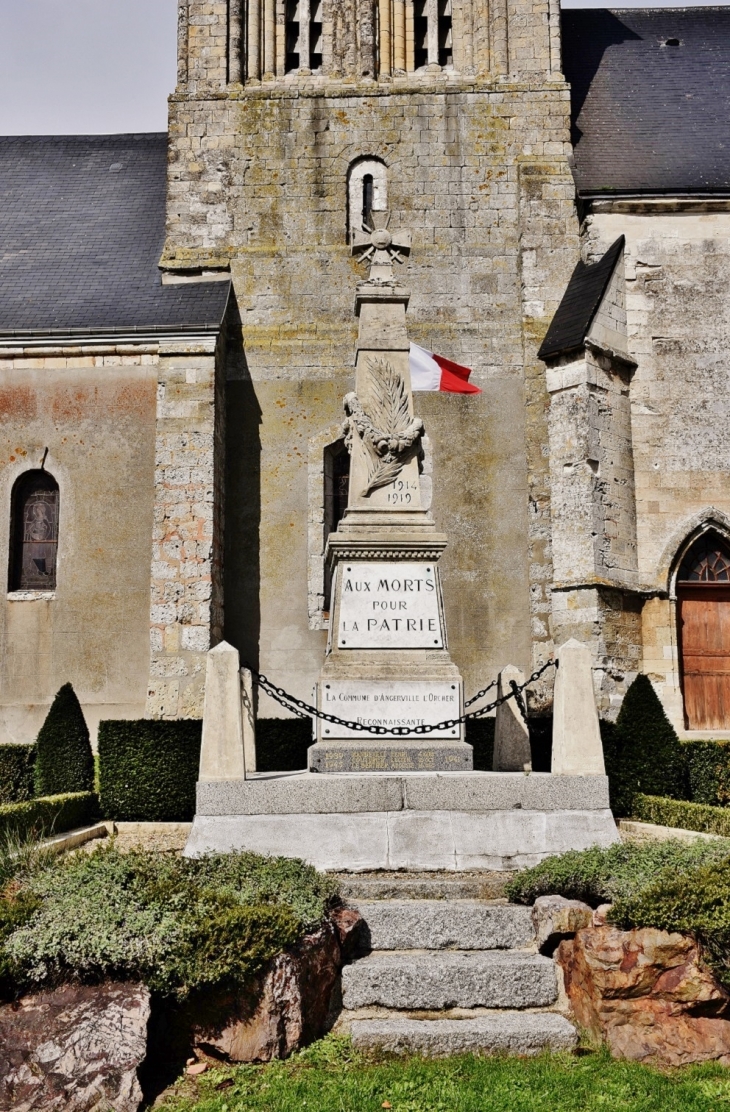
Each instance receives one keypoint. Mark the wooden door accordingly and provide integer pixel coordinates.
(704, 629)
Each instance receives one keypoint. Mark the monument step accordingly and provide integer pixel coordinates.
(382, 885)
(436, 979)
(506, 1032)
(445, 925)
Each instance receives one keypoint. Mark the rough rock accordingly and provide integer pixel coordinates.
(600, 915)
(292, 1005)
(76, 1049)
(555, 918)
(647, 993)
(349, 926)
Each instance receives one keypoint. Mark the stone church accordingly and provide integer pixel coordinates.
(178, 327)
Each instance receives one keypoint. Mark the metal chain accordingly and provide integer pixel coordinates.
(305, 710)
(480, 694)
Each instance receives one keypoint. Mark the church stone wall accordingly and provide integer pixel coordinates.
(678, 315)
(94, 410)
(258, 181)
(186, 604)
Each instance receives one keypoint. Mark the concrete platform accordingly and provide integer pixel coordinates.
(507, 1032)
(412, 821)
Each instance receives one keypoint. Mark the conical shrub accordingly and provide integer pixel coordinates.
(64, 761)
(644, 753)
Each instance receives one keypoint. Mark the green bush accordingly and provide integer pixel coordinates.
(599, 876)
(695, 902)
(51, 814)
(148, 769)
(16, 773)
(643, 752)
(708, 771)
(64, 761)
(679, 813)
(179, 925)
(282, 743)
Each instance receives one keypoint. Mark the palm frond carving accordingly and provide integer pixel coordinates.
(383, 424)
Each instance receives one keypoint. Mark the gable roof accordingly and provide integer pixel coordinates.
(82, 225)
(649, 116)
(572, 321)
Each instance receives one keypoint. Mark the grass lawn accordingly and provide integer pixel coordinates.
(331, 1077)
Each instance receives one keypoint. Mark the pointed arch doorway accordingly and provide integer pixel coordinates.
(703, 614)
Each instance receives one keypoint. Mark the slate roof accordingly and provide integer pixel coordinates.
(649, 117)
(569, 327)
(82, 224)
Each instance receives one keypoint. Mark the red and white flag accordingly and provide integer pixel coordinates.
(433, 372)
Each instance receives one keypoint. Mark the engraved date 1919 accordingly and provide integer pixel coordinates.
(402, 492)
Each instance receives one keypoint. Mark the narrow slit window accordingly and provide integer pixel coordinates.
(336, 488)
(367, 198)
(292, 36)
(315, 36)
(420, 34)
(34, 532)
(446, 54)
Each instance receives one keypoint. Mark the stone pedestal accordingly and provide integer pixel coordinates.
(415, 821)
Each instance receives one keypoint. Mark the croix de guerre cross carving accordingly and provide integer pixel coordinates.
(380, 247)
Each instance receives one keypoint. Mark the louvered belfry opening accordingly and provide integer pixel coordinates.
(703, 614)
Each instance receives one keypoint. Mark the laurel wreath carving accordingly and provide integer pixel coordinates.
(384, 425)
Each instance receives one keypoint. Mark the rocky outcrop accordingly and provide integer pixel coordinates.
(555, 918)
(647, 994)
(77, 1049)
(83, 1048)
(292, 1001)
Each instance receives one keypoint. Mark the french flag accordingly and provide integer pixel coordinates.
(433, 372)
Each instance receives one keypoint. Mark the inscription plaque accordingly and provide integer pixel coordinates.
(389, 604)
(390, 704)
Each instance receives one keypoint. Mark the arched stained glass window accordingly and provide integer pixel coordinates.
(34, 532)
(707, 561)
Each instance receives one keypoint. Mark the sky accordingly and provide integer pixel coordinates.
(101, 66)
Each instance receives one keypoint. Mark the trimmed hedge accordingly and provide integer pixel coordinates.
(16, 773)
(642, 751)
(51, 814)
(708, 771)
(148, 769)
(64, 761)
(683, 815)
(603, 875)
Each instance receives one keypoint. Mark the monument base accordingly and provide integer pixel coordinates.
(393, 756)
(415, 821)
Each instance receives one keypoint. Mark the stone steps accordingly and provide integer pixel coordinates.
(411, 979)
(383, 885)
(506, 1032)
(445, 924)
(449, 973)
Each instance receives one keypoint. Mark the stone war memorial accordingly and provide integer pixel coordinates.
(390, 781)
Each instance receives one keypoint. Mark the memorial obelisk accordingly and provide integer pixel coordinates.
(387, 659)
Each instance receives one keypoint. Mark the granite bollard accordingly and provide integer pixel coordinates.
(577, 746)
(222, 754)
(511, 736)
